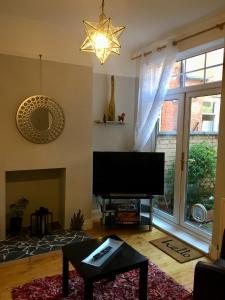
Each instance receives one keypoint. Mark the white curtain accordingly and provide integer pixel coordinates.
(155, 72)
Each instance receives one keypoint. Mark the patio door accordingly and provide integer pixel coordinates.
(199, 158)
(169, 139)
(187, 133)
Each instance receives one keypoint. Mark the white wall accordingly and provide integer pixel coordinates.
(114, 137)
(71, 87)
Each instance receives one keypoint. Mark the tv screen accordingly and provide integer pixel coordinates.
(128, 173)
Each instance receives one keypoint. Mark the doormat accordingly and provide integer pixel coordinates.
(177, 249)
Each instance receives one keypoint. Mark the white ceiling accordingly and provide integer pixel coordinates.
(54, 27)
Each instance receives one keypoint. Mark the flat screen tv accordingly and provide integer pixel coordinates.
(128, 173)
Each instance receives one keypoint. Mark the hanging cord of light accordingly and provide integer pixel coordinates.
(102, 16)
(40, 73)
(103, 3)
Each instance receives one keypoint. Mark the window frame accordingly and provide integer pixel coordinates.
(182, 59)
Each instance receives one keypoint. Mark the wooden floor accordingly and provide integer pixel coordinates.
(21, 271)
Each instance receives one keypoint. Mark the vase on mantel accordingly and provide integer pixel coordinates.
(111, 109)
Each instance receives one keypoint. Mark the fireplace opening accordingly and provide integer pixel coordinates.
(42, 188)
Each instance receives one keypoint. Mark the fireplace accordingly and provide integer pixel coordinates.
(71, 151)
(43, 188)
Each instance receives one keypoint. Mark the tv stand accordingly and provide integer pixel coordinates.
(107, 210)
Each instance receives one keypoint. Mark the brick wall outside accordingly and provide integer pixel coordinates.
(167, 143)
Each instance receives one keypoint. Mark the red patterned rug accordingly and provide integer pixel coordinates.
(160, 286)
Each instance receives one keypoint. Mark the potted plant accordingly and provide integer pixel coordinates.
(77, 221)
(16, 215)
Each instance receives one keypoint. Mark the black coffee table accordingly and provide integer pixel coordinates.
(124, 260)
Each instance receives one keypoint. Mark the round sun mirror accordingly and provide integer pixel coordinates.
(40, 119)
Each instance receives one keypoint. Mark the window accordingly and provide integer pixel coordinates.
(199, 69)
(168, 117)
(205, 114)
(187, 132)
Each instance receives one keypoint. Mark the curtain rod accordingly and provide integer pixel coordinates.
(217, 26)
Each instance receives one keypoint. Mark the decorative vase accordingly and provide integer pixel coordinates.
(111, 110)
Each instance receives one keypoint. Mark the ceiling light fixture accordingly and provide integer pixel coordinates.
(102, 38)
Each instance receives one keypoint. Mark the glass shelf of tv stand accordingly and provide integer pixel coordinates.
(109, 211)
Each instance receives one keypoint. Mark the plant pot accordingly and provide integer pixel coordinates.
(15, 225)
(77, 228)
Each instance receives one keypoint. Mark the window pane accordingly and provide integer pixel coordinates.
(195, 63)
(205, 114)
(174, 82)
(168, 120)
(208, 107)
(166, 142)
(214, 57)
(196, 70)
(201, 162)
(214, 74)
(175, 77)
(194, 78)
(176, 68)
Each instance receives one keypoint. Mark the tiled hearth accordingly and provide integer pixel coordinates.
(25, 246)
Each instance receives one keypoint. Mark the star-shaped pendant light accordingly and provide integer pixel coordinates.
(102, 38)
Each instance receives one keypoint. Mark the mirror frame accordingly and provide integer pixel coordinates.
(24, 120)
